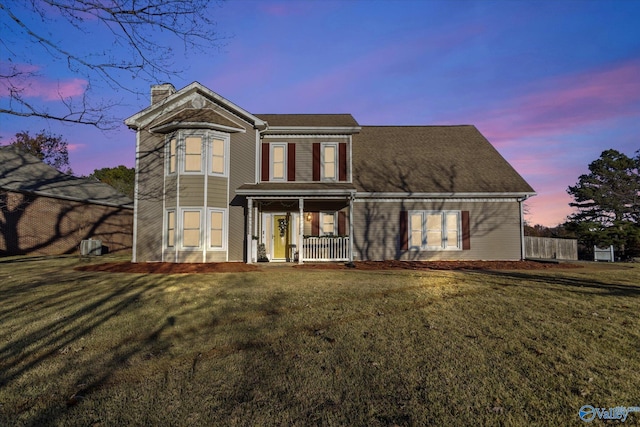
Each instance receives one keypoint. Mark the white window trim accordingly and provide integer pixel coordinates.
(180, 230)
(175, 228)
(206, 151)
(183, 152)
(209, 153)
(168, 155)
(321, 223)
(335, 161)
(425, 246)
(225, 229)
(272, 146)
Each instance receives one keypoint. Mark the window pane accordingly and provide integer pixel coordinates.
(172, 156)
(434, 238)
(216, 238)
(329, 157)
(416, 238)
(416, 222)
(328, 224)
(329, 170)
(278, 154)
(217, 156)
(434, 230)
(218, 147)
(193, 154)
(452, 230)
(416, 230)
(278, 170)
(171, 229)
(278, 162)
(216, 230)
(191, 219)
(452, 238)
(191, 238)
(434, 221)
(192, 144)
(216, 220)
(217, 165)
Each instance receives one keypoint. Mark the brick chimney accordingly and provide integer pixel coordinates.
(161, 92)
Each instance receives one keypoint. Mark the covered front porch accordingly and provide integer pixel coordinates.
(296, 228)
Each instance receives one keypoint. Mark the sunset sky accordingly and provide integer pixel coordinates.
(551, 83)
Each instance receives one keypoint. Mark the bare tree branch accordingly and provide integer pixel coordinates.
(132, 41)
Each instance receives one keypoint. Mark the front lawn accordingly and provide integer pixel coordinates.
(290, 346)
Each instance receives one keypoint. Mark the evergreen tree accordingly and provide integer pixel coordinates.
(121, 178)
(607, 200)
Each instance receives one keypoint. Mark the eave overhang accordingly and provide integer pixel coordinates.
(314, 130)
(153, 112)
(319, 190)
(451, 195)
(170, 127)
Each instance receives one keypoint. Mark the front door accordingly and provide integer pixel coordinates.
(281, 236)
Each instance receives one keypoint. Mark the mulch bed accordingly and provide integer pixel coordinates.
(443, 265)
(239, 267)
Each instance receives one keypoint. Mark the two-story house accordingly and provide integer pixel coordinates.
(214, 181)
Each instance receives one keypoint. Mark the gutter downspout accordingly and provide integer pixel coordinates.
(522, 246)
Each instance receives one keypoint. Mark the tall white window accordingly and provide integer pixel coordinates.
(171, 229)
(217, 156)
(172, 155)
(435, 230)
(278, 162)
(329, 162)
(193, 154)
(217, 227)
(191, 229)
(327, 224)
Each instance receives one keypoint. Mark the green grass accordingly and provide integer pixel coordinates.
(286, 346)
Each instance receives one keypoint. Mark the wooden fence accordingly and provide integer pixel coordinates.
(548, 248)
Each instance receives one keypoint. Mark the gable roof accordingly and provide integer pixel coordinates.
(194, 118)
(431, 160)
(23, 172)
(193, 92)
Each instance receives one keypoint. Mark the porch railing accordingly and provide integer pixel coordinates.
(326, 248)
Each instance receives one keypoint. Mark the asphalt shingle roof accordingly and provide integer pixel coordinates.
(309, 120)
(431, 159)
(23, 172)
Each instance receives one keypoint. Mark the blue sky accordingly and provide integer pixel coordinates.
(551, 83)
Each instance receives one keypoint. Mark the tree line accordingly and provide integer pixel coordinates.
(607, 207)
(53, 150)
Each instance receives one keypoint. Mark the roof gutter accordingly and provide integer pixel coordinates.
(451, 195)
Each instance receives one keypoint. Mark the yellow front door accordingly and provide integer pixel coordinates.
(280, 236)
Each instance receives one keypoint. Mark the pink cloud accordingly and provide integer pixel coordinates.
(53, 90)
(75, 147)
(33, 85)
(560, 105)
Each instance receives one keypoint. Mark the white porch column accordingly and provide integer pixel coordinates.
(351, 197)
(249, 228)
(300, 229)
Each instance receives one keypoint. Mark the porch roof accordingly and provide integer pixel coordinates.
(301, 189)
